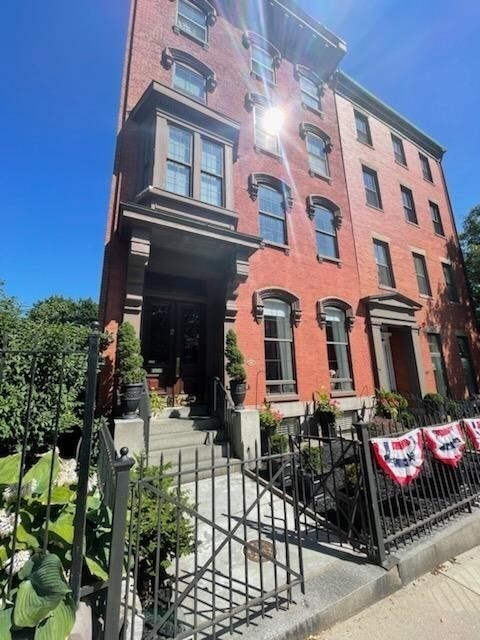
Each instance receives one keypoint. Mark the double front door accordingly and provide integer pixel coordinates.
(173, 341)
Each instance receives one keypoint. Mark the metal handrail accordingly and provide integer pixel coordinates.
(226, 393)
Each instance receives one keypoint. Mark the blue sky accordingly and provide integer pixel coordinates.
(59, 97)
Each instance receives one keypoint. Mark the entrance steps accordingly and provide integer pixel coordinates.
(187, 432)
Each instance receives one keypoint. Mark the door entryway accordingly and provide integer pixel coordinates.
(173, 342)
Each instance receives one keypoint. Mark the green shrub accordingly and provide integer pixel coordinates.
(279, 443)
(235, 359)
(312, 459)
(158, 506)
(130, 361)
(390, 404)
(157, 402)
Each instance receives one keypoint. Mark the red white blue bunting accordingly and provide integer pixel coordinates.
(472, 429)
(401, 458)
(445, 442)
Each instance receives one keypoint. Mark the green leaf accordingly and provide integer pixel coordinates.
(3, 554)
(59, 624)
(23, 536)
(47, 576)
(10, 469)
(25, 572)
(95, 569)
(59, 495)
(30, 608)
(5, 624)
(41, 472)
(63, 527)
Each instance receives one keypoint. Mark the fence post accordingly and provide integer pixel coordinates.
(122, 468)
(84, 463)
(371, 492)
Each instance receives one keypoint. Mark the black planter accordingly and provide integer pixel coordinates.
(326, 424)
(238, 391)
(131, 399)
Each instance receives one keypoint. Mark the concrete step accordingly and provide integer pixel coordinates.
(188, 461)
(161, 440)
(183, 412)
(183, 425)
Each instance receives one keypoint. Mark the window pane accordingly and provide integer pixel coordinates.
(408, 205)
(263, 139)
(278, 346)
(398, 150)
(363, 128)
(338, 350)
(272, 229)
(271, 201)
(192, 20)
(466, 360)
(438, 365)
(427, 173)
(385, 276)
(309, 93)
(211, 189)
(177, 178)
(212, 158)
(262, 63)
(179, 145)
(422, 277)
(317, 154)
(436, 219)
(190, 82)
(371, 187)
(452, 293)
(327, 246)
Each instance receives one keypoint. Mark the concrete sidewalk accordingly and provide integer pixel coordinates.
(444, 604)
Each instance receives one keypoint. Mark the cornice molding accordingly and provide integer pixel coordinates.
(260, 295)
(250, 37)
(346, 307)
(308, 127)
(257, 179)
(171, 55)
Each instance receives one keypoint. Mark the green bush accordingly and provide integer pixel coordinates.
(312, 459)
(157, 402)
(130, 361)
(279, 443)
(158, 506)
(390, 404)
(40, 599)
(235, 359)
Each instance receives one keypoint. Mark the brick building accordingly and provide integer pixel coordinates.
(258, 187)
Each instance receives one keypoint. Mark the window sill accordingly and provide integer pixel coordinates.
(366, 144)
(317, 112)
(402, 164)
(439, 235)
(336, 261)
(322, 176)
(387, 288)
(425, 296)
(428, 180)
(257, 76)
(276, 245)
(343, 394)
(372, 206)
(179, 31)
(413, 224)
(267, 152)
(282, 397)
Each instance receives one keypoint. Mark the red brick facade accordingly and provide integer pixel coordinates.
(296, 269)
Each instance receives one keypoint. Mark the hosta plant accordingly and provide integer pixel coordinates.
(36, 547)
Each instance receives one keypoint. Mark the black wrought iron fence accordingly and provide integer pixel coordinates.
(439, 491)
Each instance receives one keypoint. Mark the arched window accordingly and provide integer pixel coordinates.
(279, 347)
(318, 147)
(311, 88)
(274, 197)
(265, 58)
(337, 320)
(194, 18)
(190, 76)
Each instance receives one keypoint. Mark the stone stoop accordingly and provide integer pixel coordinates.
(188, 433)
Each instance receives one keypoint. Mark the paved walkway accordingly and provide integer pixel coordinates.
(442, 605)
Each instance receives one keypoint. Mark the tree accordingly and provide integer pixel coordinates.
(470, 240)
(10, 311)
(61, 310)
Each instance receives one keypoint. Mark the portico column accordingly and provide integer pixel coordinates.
(417, 352)
(138, 257)
(380, 361)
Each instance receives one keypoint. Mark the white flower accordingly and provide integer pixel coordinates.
(19, 560)
(7, 523)
(10, 493)
(67, 474)
(92, 483)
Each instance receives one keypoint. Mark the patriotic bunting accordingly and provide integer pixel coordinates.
(472, 429)
(445, 442)
(401, 458)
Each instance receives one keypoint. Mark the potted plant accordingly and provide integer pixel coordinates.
(131, 374)
(269, 421)
(326, 412)
(434, 403)
(235, 370)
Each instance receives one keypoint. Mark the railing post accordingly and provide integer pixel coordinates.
(122, 468)
(84, 463)
(371, 493)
